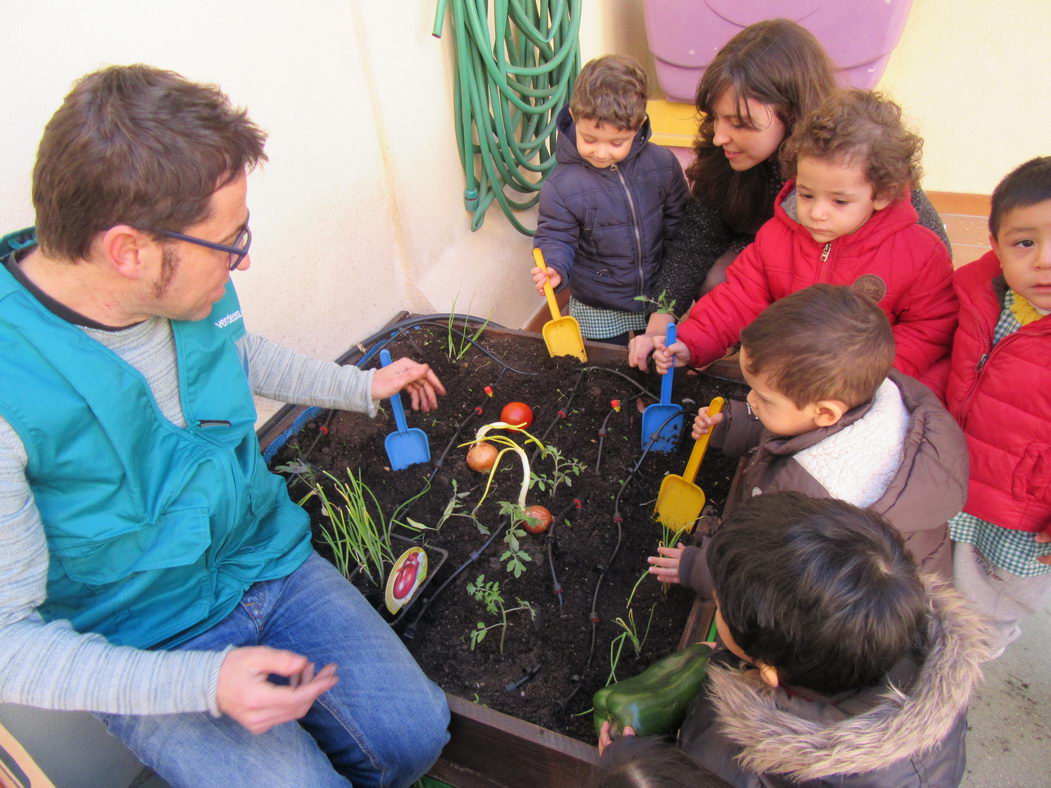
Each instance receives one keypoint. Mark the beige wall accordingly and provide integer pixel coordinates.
(975, 78)
(359, 213)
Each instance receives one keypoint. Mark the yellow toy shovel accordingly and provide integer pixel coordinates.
(680, 501)
(561, 334)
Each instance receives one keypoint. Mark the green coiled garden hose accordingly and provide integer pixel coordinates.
(514, 72)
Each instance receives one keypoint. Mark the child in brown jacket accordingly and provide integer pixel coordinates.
(828, 417)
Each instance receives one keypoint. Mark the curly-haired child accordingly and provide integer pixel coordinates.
(844, 218)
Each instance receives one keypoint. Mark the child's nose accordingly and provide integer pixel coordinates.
(1044, 255)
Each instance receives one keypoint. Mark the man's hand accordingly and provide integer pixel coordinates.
(704, 423)
(407, 375)
(665, 566)
(1043, 538)
(550, 275)
(663, 357)
(605, 736)
(245, 694)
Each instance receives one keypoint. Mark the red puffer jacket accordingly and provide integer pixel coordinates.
(901, 265)
(1001, 396)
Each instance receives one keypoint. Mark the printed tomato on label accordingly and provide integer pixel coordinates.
(517, 413)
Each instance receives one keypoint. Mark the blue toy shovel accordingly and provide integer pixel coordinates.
(407, 446)
(662, 421)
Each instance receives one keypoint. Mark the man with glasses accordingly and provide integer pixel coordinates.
(151, 569)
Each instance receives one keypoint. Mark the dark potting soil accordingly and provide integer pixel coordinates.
(550, 667)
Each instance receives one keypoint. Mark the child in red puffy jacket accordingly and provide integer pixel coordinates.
(999, 390)
(844, 218)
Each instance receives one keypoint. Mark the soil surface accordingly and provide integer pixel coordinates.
(551, 666)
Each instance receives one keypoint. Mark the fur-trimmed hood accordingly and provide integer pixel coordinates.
(900, 724)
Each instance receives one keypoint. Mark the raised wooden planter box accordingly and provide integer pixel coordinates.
(490, 749)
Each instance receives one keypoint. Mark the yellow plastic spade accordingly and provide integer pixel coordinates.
(680, 501)
(561, 334)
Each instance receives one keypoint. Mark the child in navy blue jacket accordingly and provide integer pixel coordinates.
(610, 204)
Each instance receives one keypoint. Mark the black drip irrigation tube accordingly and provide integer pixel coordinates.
(603, 569)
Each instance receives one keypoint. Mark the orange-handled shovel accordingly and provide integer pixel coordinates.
(680, 501)
(561, 334)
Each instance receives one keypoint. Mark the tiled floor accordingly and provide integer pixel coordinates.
(966, 219)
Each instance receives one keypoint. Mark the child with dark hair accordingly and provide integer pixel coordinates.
(829, 417)
(844, 218)
(851, 669)
(610, 204)
(999, 389)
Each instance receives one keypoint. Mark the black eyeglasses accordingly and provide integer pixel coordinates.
(237, 251)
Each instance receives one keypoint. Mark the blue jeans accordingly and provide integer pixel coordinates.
(383, 724)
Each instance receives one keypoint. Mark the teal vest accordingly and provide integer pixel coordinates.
(154, 531)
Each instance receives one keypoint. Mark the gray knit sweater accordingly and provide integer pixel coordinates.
(49, 664)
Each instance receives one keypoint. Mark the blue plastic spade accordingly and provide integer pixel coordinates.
(662, 421)
(407, 446)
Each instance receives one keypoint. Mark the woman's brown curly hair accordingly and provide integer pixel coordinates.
(859, 126)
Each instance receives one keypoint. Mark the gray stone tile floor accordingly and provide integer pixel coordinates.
(1009, 741)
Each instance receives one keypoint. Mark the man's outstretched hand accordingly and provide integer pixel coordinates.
(245, 693)
(405, 374)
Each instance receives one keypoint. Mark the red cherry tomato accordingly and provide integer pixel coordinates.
(481, 456)
(406, 576)
(538, 519)
(517, 413)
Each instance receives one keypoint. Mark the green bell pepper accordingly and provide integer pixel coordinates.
(655, 701)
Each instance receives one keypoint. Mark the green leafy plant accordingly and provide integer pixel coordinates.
(629, 633)
(452, 509)
(514, 556)
(458, 342)
(356, 535)
(565, 468)
(662, 305)
(298, 470)
(488, 593)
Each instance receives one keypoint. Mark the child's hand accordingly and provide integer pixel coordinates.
(605, 736)
(666, 565)
(704, 423)
(663, 357)
(551, 275)
(1043, 538)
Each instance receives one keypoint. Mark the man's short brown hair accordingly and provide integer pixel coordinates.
(140, 146)
(862, 127)
(611, 89)
(824, 342)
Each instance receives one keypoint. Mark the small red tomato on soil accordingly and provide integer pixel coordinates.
(516, 413)
(538, 519)
(481, 457)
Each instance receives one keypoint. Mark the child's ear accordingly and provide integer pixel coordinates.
(768, 673)
(881, 201)
(828, 412)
